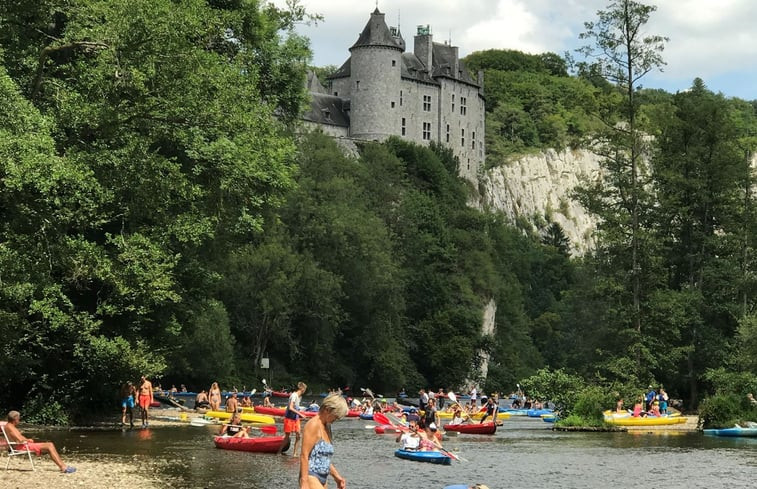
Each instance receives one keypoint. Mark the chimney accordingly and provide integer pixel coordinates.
(423, 47)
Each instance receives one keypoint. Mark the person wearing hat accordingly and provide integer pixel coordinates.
(650, 397)
(413, 415)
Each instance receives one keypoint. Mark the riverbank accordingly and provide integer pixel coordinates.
(91, 471)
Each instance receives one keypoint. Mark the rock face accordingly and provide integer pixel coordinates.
(539, 187)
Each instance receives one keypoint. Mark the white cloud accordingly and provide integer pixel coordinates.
(708, 38)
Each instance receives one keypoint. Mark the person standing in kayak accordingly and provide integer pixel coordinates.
(318, 447)
(292, 417)
(145, 398)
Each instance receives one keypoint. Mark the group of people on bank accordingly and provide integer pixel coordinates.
(653, 403)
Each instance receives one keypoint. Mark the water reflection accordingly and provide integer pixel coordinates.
(523, 454)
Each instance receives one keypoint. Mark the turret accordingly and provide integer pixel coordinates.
(376, 60)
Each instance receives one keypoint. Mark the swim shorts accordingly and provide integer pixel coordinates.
(35, 448)
(291, 425)
(127, 402)
(144, 401)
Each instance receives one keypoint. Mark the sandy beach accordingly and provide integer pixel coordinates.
(91, 471)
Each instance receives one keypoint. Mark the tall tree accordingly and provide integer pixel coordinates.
(624, 55)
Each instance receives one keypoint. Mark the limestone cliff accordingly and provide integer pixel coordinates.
(537, 188)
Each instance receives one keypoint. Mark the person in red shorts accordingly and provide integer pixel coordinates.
(292, 417)
(14, 417)
(145, 398)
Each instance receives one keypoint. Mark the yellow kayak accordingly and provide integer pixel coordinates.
(248, 417)
(625, 419)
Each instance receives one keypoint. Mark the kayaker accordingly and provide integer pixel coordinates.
(15, 436)
(655, 411)
(267, 402)
(429, 443)
(318, 446)
(246, 401)
(292, 417)
(201, 401)
(145, 398)
(491, 409)
(410, 439)
(430, 415)
(619, 406)
(234, 428)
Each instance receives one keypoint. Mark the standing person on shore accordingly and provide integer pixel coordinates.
(292, 417)
(232, 404)
(128, 396)
(145, 398)
(318, 447)
(214, 396)
(11, 429)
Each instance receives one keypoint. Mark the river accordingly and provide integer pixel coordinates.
(523, 453)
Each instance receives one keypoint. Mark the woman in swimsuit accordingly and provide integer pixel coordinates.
(317, 447)
(215, 397)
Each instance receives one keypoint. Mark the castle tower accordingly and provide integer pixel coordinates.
(376, 61)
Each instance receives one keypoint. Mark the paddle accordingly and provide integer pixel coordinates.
(452, 397)
(394, 419)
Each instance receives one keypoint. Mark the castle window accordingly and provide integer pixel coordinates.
(427, 103)
(453, 104)
(357, 85)
(448, 133)
(392, 104)
(336, 94)
(404, 130)
(400, 98)
(394, 63)
(462, 138)
(473, 141)
(463, 108)
(426, 131)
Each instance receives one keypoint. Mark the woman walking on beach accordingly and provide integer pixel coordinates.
(215, 397)
(317, 446)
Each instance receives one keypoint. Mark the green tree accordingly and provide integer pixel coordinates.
(624, 55)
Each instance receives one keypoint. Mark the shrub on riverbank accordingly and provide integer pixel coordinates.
(725, 411)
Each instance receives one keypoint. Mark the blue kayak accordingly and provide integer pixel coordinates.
(366, 416)
(536, 413)
(735, 431)
(430, 457)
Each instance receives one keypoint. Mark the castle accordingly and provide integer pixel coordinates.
(423, 96)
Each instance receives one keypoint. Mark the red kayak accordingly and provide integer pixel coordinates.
(271, 411)
(354, 413)
(387, 429)
(488, 428)
(263, 444)
(280, 394)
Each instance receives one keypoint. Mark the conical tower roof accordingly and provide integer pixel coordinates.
(376, 33)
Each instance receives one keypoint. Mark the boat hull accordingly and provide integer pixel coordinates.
(264, 444)
(247, 417)
(732, 432)
(488, 428)
(628, 420)
(428, 457)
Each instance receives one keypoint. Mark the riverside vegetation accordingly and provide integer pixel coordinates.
(160, 217)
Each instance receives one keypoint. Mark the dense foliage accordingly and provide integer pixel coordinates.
(159, 216)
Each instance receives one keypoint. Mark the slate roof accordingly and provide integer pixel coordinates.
(328, 109)
(376, 33)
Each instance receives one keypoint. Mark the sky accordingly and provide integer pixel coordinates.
(715, 40)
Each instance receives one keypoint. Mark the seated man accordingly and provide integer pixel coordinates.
(234, 428)
(410, 439)
(267, 402)
(14, 417)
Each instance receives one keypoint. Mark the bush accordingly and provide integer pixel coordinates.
(725, 411)
(44, 411)
(579, 421)
(590, 403)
